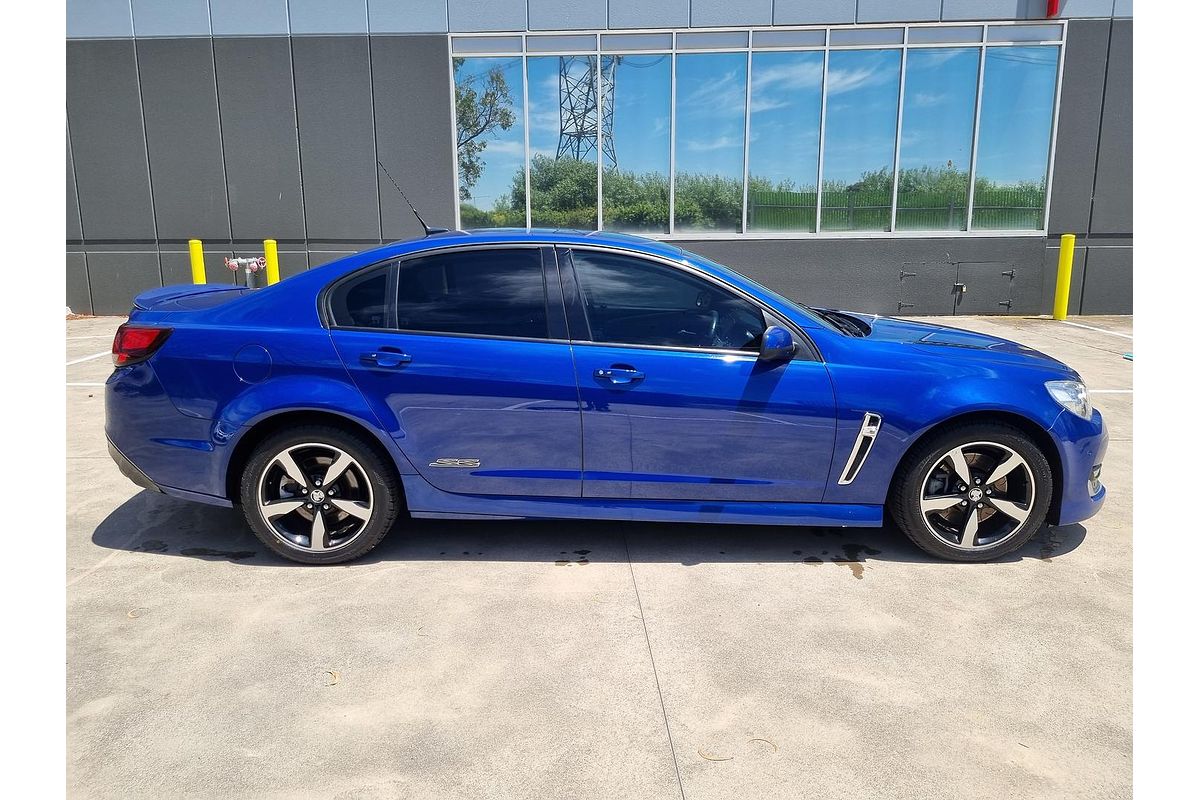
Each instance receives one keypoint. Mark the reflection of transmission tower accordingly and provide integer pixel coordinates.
(577, 107)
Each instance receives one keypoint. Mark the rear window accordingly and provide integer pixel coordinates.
(480, 292)
(362, 301)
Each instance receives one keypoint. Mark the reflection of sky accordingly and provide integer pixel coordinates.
(504, 155)
(642, 113)
(860, 125)
(710, 113)
(1017, 112)
(939, 108)
(785, 117)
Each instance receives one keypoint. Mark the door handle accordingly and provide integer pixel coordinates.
(619, 375)
(385, 358)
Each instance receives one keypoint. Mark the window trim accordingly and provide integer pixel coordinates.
(752, 47)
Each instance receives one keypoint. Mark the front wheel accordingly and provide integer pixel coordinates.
(973, 493)
(319, 495)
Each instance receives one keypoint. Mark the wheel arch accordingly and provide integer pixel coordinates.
(282, 420)
(1039, 435)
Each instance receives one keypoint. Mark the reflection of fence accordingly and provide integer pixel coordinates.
(856, 210)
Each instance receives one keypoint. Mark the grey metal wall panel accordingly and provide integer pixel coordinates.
(177, 266)
(108, 142)
(95, 18)
(248, 17)
(864, 274)
(183, 134)
(1078, 126)
(488, 15)
(413, 131)
(723, 12)
(171, 18)
(640, 14)
(899, 10)
(1113, 209)
(337, 136)
(1108, 282)
(407, 16)
(258, 121)
(116, 278)
(292, 263)
(1123, 8)
(801, 12)
(1022, 9)
(327, 16)
(74, 225)
(79, 293)
(564, 15)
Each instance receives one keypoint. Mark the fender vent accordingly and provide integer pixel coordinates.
(862, 447)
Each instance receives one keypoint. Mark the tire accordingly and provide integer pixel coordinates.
(930, 505)
(345, 519)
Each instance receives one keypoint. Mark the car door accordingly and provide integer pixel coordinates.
(676, 403)
(466, 364)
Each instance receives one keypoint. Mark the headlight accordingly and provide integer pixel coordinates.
(1071, 395)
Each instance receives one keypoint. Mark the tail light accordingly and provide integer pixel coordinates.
(134, 343)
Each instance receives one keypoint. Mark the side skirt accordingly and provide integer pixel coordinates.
(427, 502)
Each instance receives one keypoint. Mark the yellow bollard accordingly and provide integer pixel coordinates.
(1062, 290)
(196, 251)
(271, 251)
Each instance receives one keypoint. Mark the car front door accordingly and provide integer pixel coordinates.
(676, 403)
(463, 357)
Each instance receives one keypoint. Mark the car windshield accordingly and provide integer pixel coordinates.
(818, 317)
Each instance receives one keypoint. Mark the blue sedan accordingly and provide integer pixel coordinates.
(549, 374)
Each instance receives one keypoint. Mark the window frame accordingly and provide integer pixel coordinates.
(556, 327)
(577, 316)
(993, 34)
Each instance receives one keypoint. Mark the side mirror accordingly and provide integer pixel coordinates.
(777, 344)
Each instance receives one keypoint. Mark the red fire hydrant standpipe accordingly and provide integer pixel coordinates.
(253, 267)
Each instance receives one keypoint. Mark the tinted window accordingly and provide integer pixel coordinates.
(631, 301)
(362, 301)
(484, 292)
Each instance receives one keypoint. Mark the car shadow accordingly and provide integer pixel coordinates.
(154, 523)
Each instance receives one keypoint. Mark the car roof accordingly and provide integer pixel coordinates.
(527, 235)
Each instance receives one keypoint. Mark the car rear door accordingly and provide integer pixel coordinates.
(676, 404)
(463, 355)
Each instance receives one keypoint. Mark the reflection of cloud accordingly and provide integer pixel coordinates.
(927, 99)
(847, 80)
(723, 95)
(506, 147)
(719, 143)
(804, 74)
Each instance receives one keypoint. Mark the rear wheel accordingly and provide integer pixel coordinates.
(319, 495)
(973, 493)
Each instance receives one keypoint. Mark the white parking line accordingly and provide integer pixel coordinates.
(80, 338)
(90, 358)
(1098, 330)
(1110, 391)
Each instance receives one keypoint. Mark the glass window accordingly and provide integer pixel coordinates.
(860, 139)
(935, 143)
(710, 129)
(637, 146)
(489, 107)
(362, 300)
(1015, 118)
(483, 292)
(785, 139)
(632, 301)
(562, 143)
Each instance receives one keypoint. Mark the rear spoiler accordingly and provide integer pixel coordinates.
(156, 298)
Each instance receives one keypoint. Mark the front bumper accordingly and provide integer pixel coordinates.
(1082, 445)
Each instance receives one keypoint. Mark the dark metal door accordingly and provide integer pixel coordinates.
(984, 287)
(926, 288)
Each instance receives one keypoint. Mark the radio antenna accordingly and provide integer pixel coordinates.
(428, 230)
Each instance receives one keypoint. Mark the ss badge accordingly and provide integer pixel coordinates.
(455, 462)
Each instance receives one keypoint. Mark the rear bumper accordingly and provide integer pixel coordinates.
(1083, 444)
(130, 470)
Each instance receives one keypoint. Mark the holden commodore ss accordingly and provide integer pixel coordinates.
(554, 374)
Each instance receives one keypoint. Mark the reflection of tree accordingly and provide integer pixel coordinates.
(483, 104)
